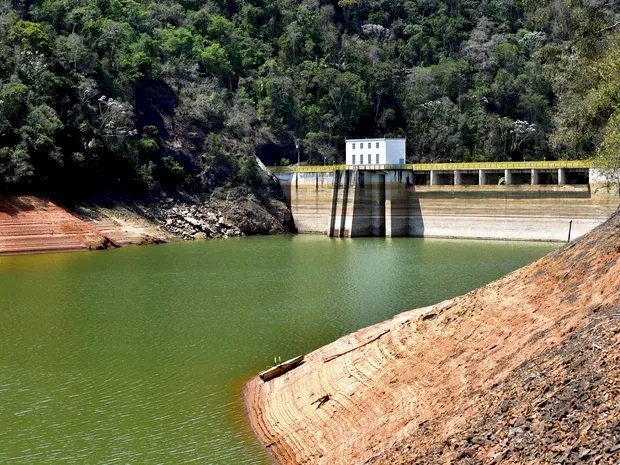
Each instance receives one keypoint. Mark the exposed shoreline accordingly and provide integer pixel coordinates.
(412, 389)
(31, 225)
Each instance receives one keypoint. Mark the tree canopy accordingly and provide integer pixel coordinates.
(139, 96)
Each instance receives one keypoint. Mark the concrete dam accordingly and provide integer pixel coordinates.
(549, 201)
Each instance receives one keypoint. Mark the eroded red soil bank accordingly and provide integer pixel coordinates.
(30, 224)
(523, 370)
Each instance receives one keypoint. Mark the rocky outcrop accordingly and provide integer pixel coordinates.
(225, 213)
(523, 370)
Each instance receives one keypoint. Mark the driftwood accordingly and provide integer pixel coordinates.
(321, 400)
(329, 358)
(281, 368)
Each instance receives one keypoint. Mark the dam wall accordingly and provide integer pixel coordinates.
(350, 203)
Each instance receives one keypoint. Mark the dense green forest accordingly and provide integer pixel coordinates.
(133, 96)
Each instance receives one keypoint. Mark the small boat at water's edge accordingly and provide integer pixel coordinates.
(281, 368)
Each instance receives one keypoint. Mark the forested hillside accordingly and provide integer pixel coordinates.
(135, 96)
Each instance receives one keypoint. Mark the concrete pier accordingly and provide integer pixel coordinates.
(457, 178)
(561, 176)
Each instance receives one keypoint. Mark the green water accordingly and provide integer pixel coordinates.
(139, 355)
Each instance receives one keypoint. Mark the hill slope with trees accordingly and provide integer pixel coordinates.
(142, 96)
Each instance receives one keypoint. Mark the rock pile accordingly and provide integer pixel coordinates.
(191, 221)
(226, 213)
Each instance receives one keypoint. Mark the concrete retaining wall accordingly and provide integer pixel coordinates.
(388, 204)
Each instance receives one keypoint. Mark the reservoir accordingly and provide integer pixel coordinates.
(139, 355)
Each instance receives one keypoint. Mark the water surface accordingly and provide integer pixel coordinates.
(139, 355)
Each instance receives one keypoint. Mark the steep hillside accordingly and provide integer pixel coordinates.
(523, 370)
(130, 96)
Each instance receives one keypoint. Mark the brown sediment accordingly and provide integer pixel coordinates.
(31, 224)
(123, 226)
(453, 383)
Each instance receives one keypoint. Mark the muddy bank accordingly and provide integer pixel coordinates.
(33, 225)
(523, 370)
(30, 224)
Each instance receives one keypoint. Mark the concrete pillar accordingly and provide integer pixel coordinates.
(434, 179)
(388, 208)
(482, 177)
(332, 214)
(507, 177)
(535, 180)
(457, 178)
(561, 176)
(376, 181)
(348, 205)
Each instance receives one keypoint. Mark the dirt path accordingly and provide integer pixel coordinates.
(420, 388)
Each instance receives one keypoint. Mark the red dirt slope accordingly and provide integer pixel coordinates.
(32, 225)
(523, 370)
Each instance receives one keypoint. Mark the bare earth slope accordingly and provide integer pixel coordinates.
(523, 370)
(30, 224)
(123, 226)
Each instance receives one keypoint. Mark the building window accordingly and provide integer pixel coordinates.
(353, 160)
(377, 144)
(361, 159)
(353, 145)
(377, 159)
(369, 144)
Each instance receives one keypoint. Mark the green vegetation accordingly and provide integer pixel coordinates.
(121, 95)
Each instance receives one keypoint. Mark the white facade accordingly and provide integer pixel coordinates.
(379, 151)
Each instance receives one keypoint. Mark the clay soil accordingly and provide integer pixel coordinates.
(525, 370)
(31, 224)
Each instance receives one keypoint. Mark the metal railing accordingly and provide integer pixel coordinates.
(305, 168)
(504, 165)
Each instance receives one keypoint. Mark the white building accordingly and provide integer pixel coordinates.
(379, 151)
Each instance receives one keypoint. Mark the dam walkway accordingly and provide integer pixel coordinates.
(559, 172)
